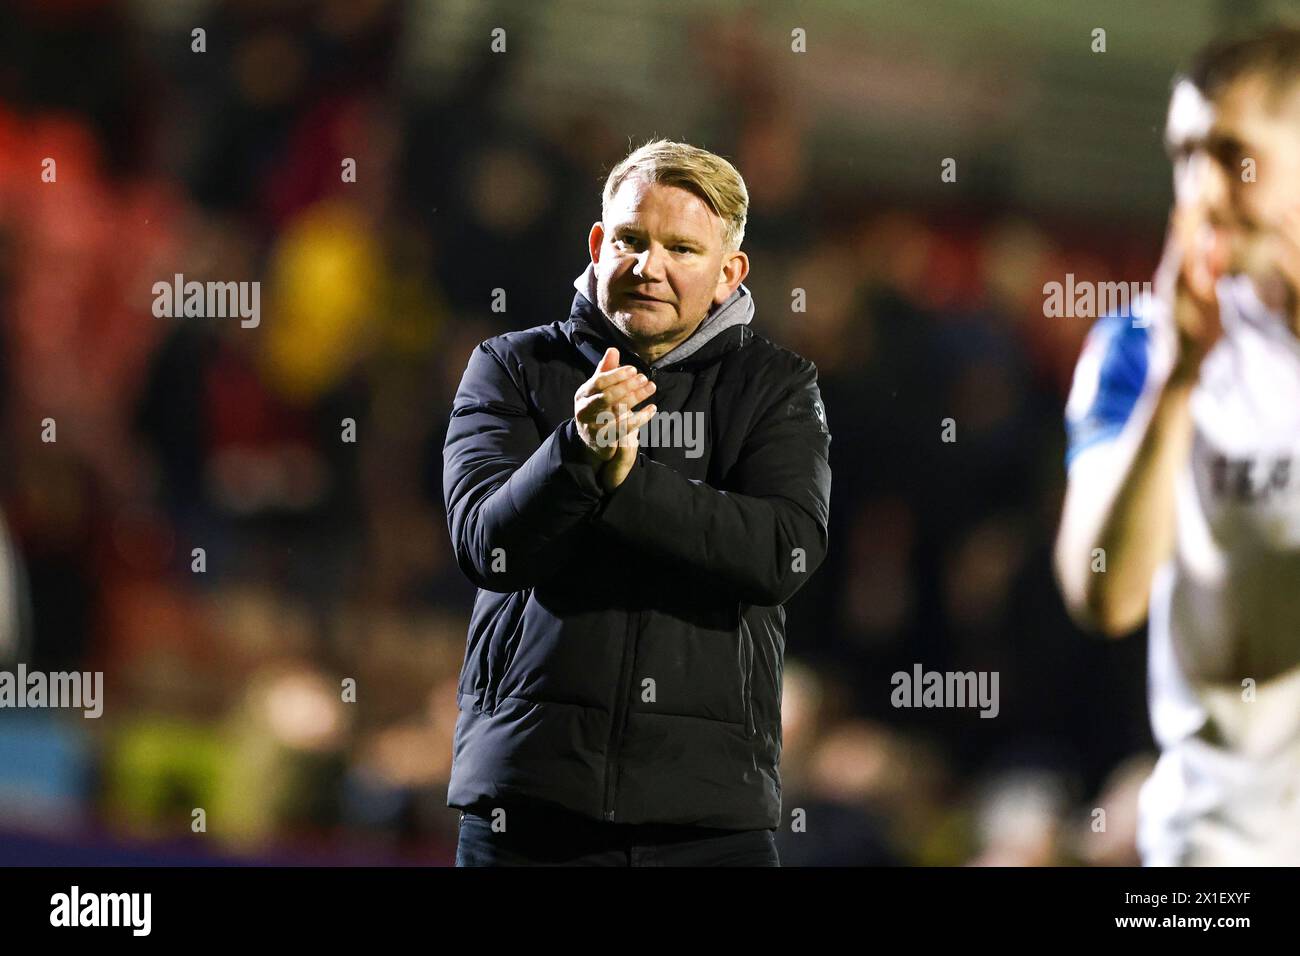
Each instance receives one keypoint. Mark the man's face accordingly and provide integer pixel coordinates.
(1209, 143)
(660, 264)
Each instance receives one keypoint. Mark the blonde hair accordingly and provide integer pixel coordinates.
(707, 175)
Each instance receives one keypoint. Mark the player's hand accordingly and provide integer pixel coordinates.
(1195, 258)
(617, 468)
(602, 407)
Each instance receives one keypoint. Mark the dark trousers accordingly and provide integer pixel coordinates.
(544, 837)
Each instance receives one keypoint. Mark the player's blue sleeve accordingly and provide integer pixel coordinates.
(1108, 380)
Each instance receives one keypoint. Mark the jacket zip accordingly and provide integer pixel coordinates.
(616, 725)
(620, 705)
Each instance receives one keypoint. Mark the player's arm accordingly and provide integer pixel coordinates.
(1119, 512)
(1117, 524)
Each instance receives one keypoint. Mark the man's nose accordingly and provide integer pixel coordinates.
(650, 263)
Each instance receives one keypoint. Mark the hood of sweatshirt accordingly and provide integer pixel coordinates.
(738, 309)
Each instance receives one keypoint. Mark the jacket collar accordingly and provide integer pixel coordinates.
(725, 328)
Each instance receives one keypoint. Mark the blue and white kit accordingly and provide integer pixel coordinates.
(1224, 632)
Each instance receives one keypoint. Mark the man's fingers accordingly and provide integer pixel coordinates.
(611, 430)
(632, 391)
(603, 380)
(636, 420)
(1169, 270)
(629, 438)
(603, 404)
(607, 426)
(588, 408)
(1206, 261)
(624, 393)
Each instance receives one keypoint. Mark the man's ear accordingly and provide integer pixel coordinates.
(735, 266)
(595, 239)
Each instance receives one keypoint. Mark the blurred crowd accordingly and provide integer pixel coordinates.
(295, 678)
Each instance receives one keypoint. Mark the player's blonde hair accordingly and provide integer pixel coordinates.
(706, 174)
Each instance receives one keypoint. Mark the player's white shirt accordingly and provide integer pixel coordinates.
(1226, 607)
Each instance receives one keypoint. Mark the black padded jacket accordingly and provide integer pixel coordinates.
(625, 650)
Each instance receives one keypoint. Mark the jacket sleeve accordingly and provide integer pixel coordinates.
(510, 493)
(763, 540)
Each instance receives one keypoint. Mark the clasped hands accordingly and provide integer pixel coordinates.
(602, 409)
